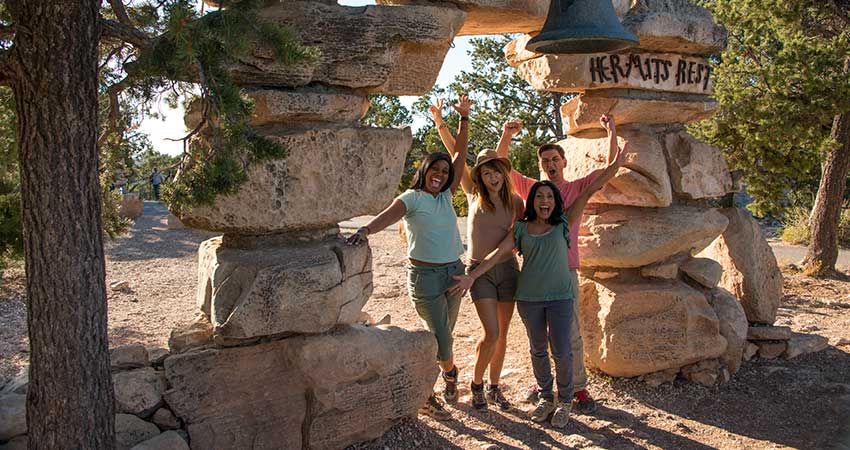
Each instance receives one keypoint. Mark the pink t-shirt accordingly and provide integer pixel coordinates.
(569, 191)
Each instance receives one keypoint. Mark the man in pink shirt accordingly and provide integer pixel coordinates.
(552, 163)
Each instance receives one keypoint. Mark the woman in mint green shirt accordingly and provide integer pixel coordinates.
(433, 249)
(544, 291)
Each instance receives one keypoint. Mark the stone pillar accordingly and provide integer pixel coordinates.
(275, 359)
(648, 307)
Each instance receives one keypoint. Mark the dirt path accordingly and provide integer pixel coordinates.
(802, 403)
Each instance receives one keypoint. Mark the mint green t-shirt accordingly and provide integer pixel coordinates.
(545, 266)
(431, 226)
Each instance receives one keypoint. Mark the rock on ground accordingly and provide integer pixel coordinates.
(342, 387)
(168, 440)
(13, 416)
(131, 356)
(138, 391)
(632, 329)
(733, 327)
(131, 430)
(750, 271)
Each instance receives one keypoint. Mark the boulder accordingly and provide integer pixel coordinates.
(314, 105)
(636, 69)
(733, 327)
(634, 237)
(376, 49)
(656, 379)
(643, 179)
(128, 357)
(697, 170)
(320, 182)
(800, 344)
(13, 416)
(131, 430)
(165, 419)
(771, 349)
(342, 387)
(131, 206)
(169, 440)
(633, 106)
(750, 350)
(750, 271)
(677, 26)
(667, 271)
(157, 355)
(768, 333)
(282, 289)
(493, 16)
(632, 329)
(19, 384)
(704, 271)
(704, 372)
(138, 391)
(189, 335)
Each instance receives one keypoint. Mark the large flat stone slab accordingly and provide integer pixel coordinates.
(328, 176)
(750, 271)
(641, 181)
(632, 106)
(492, 16)
(282, 289)
(307, 105)
(312, 392)
(632, 329)
(634, 237)
(667, 72)
(377, 49)
(676, 26)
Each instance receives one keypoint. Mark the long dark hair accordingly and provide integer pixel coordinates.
(557, 214)
(426, 163)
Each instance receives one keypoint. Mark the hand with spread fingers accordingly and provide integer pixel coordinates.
(464, 283)
(462, 106)
(359, 237)
(436, 110)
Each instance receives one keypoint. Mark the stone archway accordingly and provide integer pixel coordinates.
(278, 363)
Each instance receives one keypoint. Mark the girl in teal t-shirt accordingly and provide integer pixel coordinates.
(434, 249)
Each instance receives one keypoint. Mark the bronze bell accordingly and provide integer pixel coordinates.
(581, 26)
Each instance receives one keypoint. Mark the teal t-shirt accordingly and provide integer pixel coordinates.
(431, 226)
(545, 273)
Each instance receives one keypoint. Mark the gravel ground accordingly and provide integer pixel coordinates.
(802, 403)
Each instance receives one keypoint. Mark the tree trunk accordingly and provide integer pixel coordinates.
(823, 249)
(559, 122)
(70, 402)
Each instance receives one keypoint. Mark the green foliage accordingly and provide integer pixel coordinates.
(796, 228)
(11, 245)
(386, 111)
(200, 47)
(779, 83)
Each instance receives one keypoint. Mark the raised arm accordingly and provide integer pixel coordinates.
(462, 142)
(616, 161)
(436, 110)
(385, 218)
(508, 131)
(465, 281)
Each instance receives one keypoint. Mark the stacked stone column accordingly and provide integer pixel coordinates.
(275, 359)
(648, 306)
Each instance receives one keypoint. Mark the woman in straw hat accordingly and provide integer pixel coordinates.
(493, 209)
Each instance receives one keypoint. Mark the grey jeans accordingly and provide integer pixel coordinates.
(548, 324)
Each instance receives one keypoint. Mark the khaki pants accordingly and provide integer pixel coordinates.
(579, 372)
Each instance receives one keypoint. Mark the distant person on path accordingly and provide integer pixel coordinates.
(156, 180)
(434, 249)
(545, 295)
(493, 209)
(552, 162)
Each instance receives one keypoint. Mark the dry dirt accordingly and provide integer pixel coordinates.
(769, 404)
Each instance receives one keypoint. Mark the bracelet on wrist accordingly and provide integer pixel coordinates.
(464, 118)
(441, 126)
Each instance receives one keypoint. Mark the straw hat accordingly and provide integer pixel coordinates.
(485, 156)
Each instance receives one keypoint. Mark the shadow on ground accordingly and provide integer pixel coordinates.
(151, 238)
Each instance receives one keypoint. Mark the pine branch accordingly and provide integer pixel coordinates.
(126, 33)
(121, 12)
(114, 109)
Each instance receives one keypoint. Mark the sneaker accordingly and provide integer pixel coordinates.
(478, 400)
(450, 391)
(561, 415)
(494, 395)
(543, 410)
(434, 409)
(531, 395)
(583, 403)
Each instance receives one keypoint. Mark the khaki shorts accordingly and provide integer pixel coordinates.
(499, 282)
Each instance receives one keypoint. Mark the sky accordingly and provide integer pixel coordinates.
(171, 126)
